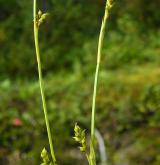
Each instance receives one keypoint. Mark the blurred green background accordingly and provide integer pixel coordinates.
(128, 101)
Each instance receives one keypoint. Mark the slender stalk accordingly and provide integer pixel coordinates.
(100, 44)
(36, 30)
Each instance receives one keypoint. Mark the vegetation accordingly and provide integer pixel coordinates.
(128, 97)
(39, 18)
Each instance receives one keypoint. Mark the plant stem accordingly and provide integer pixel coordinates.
(36, 30)
(100, 44)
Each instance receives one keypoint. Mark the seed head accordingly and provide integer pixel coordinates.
(80, 137)
(45, 158)
(40, 18)
(109, 4)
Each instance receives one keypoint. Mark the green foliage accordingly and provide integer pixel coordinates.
(128, 96)
(69, 26)
(127, 105)
(62, 33)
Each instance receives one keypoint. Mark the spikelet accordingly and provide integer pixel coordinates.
(40, 18)
(109, 4)
(45, 158)
(80, 137)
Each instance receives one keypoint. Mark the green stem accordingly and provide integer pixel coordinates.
(100, 44)
(36, 30)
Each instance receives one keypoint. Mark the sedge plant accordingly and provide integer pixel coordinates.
(80, 133)
(79, 137)
(39, 18)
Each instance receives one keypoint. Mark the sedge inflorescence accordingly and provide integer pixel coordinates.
(40, 18)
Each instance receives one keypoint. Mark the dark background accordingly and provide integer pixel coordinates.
(128, 101)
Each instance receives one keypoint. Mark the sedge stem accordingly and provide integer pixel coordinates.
(100, 44)
(36, 32)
